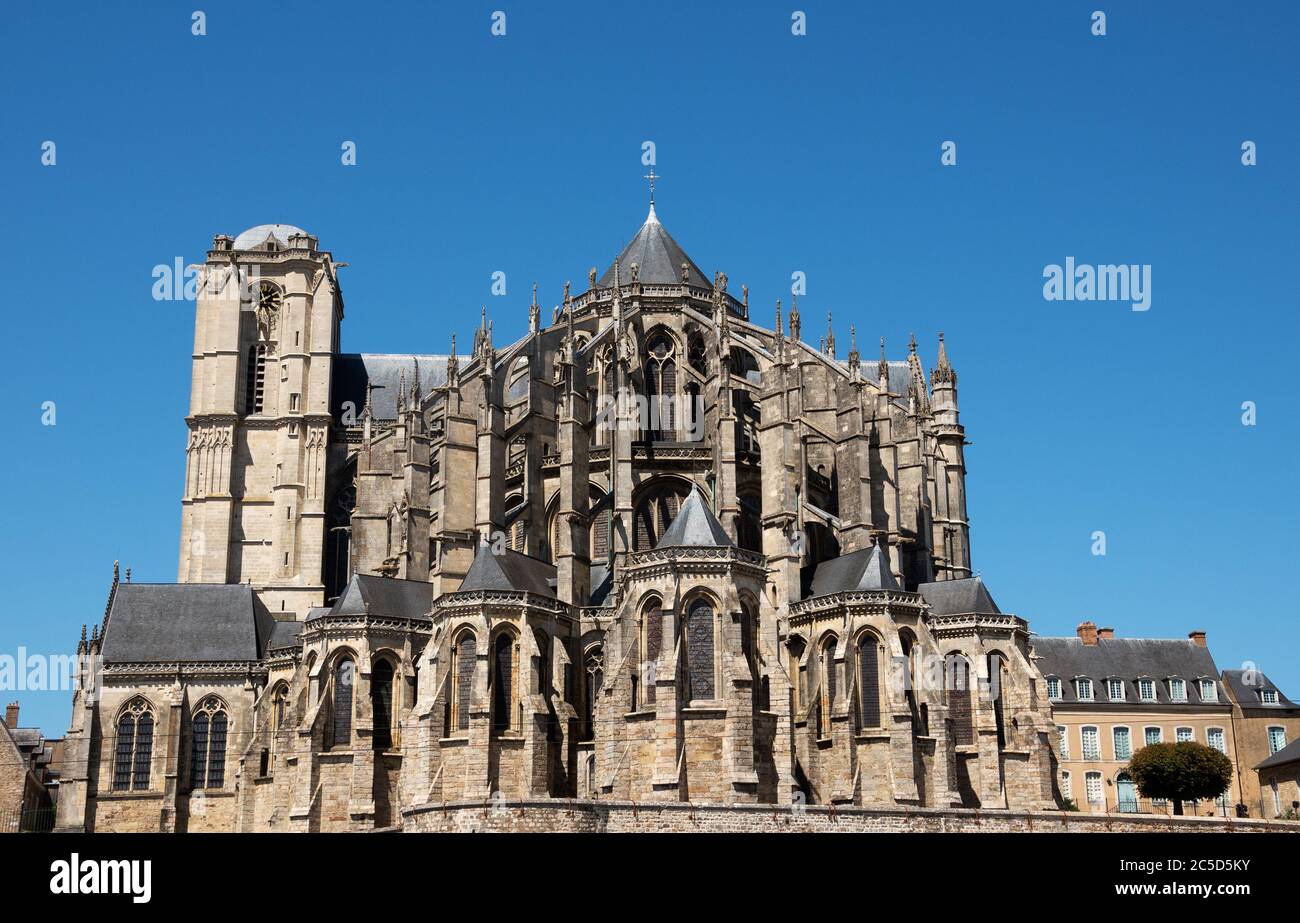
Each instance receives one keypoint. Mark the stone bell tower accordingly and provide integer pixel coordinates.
(266, 333)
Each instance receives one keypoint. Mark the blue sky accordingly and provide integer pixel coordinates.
(779, 153)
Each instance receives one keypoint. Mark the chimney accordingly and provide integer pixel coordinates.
(1088, 633)
(1197, 638)
(11, 715)
(1106, 634)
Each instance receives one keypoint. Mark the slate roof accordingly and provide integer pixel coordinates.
(191, 622)
(509, 570)
(351, 371)
(385, 597)
(602, 581)
(694, 525)
(659, 256)
(1247, 693)
(959, 597)
(864, 569)
(1288, 754)
(285, 634)
(1128, 659)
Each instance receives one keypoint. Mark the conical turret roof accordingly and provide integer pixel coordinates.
(658, 257)
(694, 525)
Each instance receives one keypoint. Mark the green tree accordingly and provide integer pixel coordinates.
(1185, 771)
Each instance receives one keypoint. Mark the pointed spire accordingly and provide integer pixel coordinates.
(794, 318)
(882, 370)
(779, 348)
(453, 364)
(415, 384)
(830, 336)
(855, 360)
(534, 313)
(943, 372)
(401, 390)
(917, 392)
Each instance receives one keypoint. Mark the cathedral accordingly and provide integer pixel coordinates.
(652, 551)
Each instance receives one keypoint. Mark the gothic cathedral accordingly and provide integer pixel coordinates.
(651, 551)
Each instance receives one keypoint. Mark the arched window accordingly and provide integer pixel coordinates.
(594, 677)
(279, 712)
(341, 681)
(134, 751)
(657, 508)
(517, 386)
(208, 749)
(869, 653)
(503, 681)
(920, 715)
(381, 702)
(661, 388)
(652, 638)
(460, 683)
(997, 677)
(255, 382)
(599, 526)
(698, 649)
(956, 673)
(826, 686)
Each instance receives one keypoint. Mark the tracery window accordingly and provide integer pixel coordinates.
(342, 680)
(460, 683)
(698, 648)
(208, 745)
(661, 388)
(868, 681)
(134, 750)
(655, 512)
(503, 681)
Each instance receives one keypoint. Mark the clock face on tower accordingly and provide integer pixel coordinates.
(267, 305)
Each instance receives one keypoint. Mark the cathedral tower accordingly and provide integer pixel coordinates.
(266, 333)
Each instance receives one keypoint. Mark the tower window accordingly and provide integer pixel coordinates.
(255, 385)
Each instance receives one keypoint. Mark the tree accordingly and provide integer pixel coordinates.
(1185, 771)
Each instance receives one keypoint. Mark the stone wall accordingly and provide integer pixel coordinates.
(627, 817)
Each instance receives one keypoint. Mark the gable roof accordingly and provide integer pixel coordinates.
(959, 597)
(694, 525)
(189, 622)
(1128, 659)
(351, 372)
(509, 570)
(864, 569)
(659, 257)
(385, 597)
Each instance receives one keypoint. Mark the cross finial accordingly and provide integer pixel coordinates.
(652, 176)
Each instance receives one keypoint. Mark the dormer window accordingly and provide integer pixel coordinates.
(1115, 690)
(1147, 690)
(1209, 690)
(1268, 696)
(1083, 690)
(1054, 688)
(1178, 690)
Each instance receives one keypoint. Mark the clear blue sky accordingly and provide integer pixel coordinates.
(779, 153)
